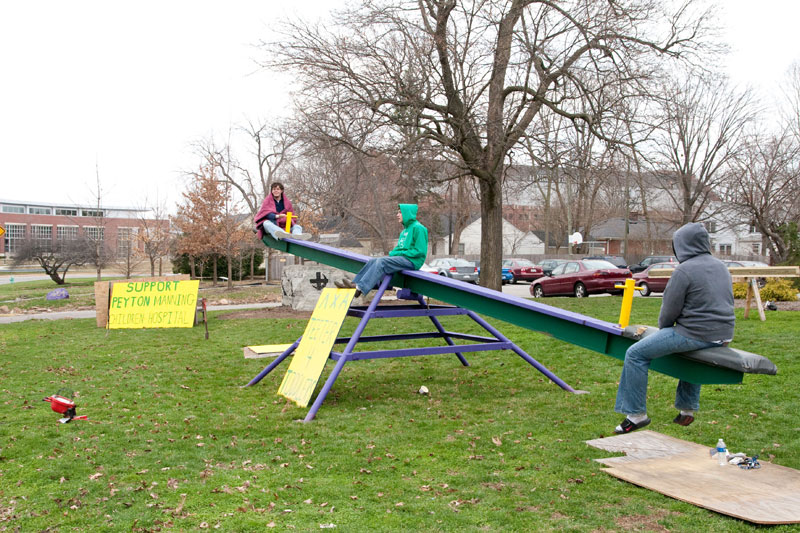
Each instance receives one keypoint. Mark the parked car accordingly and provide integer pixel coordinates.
(459, 269)
(581, 278)
(427, 268)
(506, 276)
(650, 285)
(548, 265)
(739, 264)
(615, 260)
(522, 269)
(649, 260)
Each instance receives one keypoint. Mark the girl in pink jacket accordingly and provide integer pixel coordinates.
(272, 216)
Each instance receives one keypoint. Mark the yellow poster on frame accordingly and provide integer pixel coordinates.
(312, 353)
(153, 304)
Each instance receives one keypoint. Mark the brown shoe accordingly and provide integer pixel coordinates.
(683, 420)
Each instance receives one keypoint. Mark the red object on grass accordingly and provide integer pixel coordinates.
(59, 404)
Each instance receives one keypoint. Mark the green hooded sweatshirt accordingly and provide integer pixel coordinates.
(413, 241)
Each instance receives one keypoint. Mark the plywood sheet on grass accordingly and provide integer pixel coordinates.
(269, 350)
(685, 471)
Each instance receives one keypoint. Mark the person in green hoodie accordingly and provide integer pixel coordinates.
(409, 254)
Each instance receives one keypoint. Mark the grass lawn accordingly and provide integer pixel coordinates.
(174, 442)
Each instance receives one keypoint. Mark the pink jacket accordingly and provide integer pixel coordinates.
(269, 207)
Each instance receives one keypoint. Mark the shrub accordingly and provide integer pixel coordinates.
(779, 290)
(776, 290)
(740, 290)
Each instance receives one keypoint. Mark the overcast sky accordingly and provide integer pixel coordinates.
(126, 89)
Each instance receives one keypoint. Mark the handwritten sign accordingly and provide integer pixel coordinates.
(312, 353)
(153, 304)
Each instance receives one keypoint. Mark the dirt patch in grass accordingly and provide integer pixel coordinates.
(782, 306)
(643, 522)
(274, 312)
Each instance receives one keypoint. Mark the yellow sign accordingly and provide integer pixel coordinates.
(2, 231)
(153, 304)
(312, 353)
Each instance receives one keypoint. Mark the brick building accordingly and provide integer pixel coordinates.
(116, 226)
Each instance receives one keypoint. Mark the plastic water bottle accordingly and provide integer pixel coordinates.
(722, 453)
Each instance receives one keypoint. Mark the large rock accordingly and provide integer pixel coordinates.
(57, 294)
(302, 285)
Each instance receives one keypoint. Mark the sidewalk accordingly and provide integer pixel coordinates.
(58, 315)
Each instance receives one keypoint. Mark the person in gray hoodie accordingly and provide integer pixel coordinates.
(696, 313)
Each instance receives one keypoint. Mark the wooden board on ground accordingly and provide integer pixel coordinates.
(686, 471)
(102, 294)
(268, 350)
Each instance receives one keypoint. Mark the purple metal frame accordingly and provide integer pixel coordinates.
(496, 342)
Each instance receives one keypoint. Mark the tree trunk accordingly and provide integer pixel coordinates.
(152, 267)
(191, 268)
(253, 263)
(160, 266)
(230, 271)
(491, 227)
(214, 274)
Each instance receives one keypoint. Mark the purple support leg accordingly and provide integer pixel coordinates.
(443, 333)
(278, 360)
(348, 349)
(533, 362)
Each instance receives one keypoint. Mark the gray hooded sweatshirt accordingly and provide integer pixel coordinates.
(698, 299)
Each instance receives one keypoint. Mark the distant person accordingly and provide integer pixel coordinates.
(272, 216)
(696, 313)
(409, 254)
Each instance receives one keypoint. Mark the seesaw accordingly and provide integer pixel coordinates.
(721, 365)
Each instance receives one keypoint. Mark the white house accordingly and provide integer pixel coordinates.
(515, 241)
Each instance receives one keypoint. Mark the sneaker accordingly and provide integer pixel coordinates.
(627, 426)
(301, 236)
(345, 284)
(357, 294)
(683, 420)
(280, 234)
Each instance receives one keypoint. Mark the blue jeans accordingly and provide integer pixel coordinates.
(632, 392)
(372, 273)
(273, 228)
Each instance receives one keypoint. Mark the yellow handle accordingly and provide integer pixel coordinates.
(289, 216)
(627, 301)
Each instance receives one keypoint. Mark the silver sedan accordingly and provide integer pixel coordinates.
(459, 269)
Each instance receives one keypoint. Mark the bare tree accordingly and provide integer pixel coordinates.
(702, 124)
(154, 234)
(472, 76)
(765, 189)
(100, 254)
(791, 91)
(269, 151)
(128, 254)
(56, 259)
